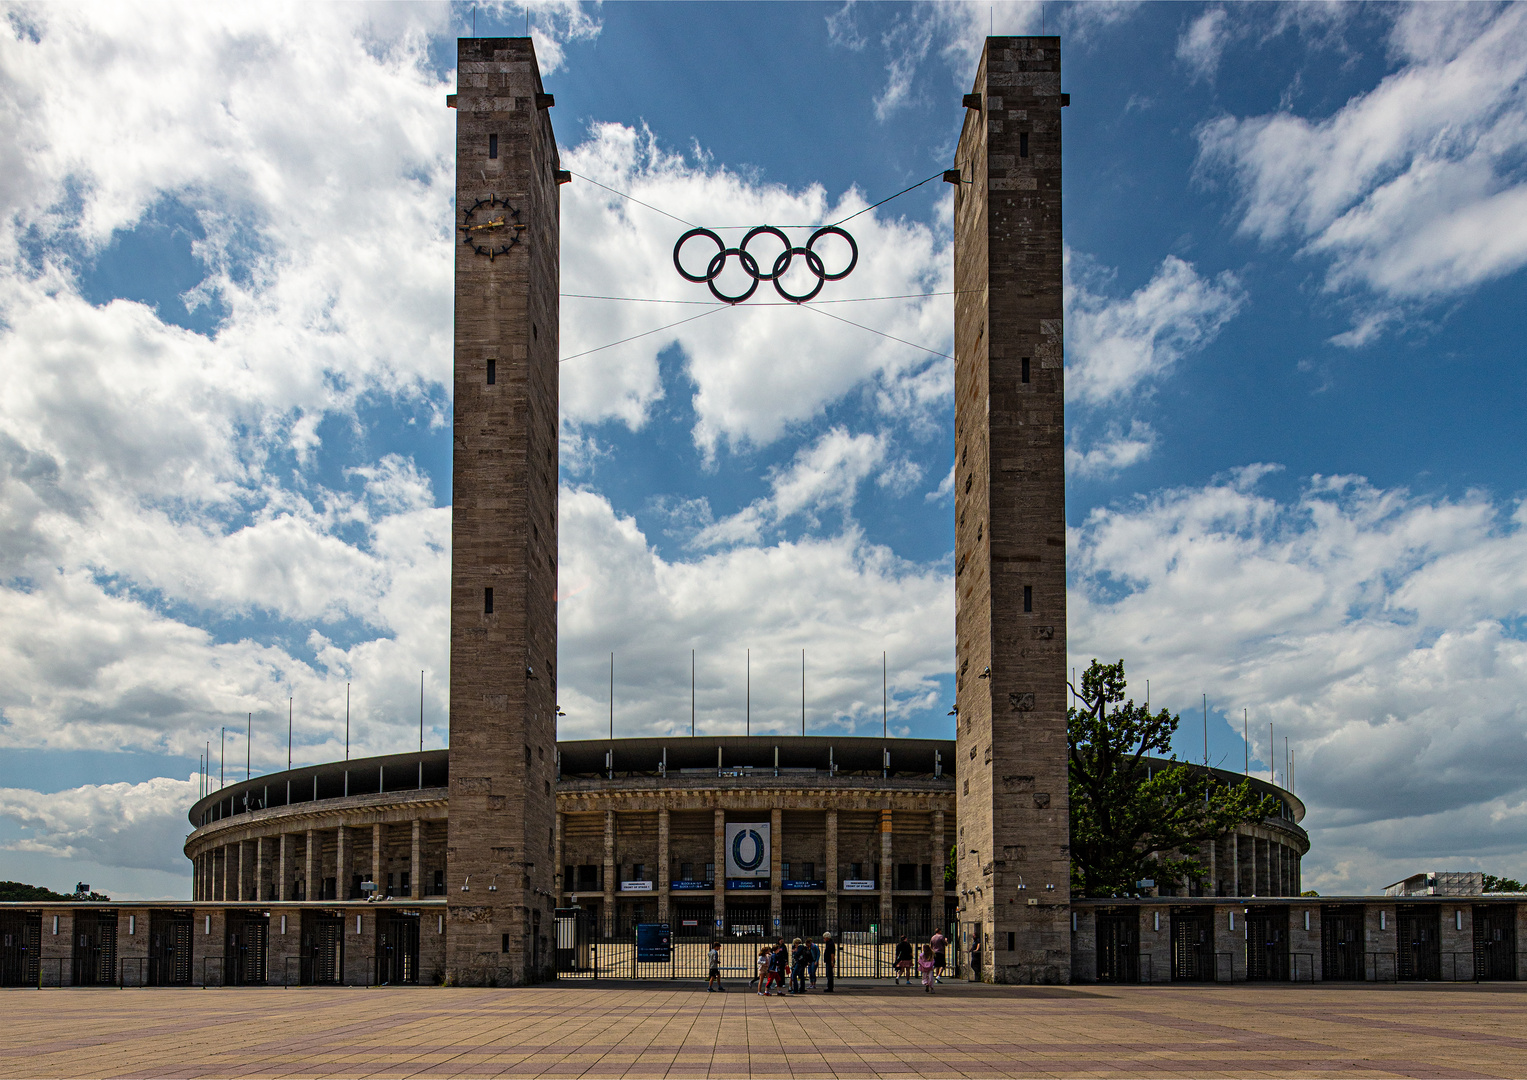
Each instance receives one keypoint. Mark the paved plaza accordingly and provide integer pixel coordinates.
(861, 1031)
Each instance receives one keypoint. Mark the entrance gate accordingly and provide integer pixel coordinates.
(1118, 946)
(169, 948)
(1266, 944)
(1419, 943)
(245, 947)
(323, 948)
(95, 948)
(1192, 945)
(20, 947)
(1494, 941)
(397, 948)
(1341, 943)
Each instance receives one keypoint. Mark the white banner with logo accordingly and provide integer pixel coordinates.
(747, 850)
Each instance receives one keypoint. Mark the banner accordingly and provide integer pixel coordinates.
(747, 850)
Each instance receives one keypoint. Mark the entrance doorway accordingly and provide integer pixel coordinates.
(169, 948)
(1118, 946)
(1192, 945)
(397, 948)
(323, 948)
(95, 948)
(1494, 941)
(1266, 944)
(1341, 943)
(245, 948)
(1419, 943)
(20, 947)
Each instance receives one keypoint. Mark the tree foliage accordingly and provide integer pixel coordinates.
(1127, 824)
(1502, 884)
(20, 892)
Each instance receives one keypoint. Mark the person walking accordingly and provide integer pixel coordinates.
(975, 959)
(778, 960)
(904, 960)
(939, 943)
(764, 953)
(812, 961)
(925, 965)
(713, 984)
(829, 957)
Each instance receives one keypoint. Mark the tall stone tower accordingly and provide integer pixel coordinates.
(499, 876)
(1010, 533)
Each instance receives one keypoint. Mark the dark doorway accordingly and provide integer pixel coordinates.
(1118, 946)
(95, 948)
(1341, 943)
(245, 947)
(20, 947)
(1267, 944)
(397, 948)
(169, 948)
(1494, 941)
(1419, 943)
(1192, 945)
(323, 948)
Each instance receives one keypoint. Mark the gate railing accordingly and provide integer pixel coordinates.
(1381, 967)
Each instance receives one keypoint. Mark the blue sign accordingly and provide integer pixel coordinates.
(654, 943)
(690, 885)
(747, 883)
(803, 885)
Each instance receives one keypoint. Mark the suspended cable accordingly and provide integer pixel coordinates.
(645, 333)
(761, 303)
(634, 199)
(898, 195)
(871, 329)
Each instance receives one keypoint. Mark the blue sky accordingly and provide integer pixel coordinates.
(1296, 238)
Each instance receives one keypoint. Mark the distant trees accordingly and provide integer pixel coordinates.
(1127, 824)
(20, 892)
(1502, 884)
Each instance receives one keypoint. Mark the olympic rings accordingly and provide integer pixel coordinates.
(777, 270)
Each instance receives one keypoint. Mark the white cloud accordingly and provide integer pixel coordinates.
(1379, 631)
(129, 825)
(755, 369)
(843, 30)
(1413, 191)
(825, 475)
(1115, 347)
(841, 598)
(1118, 450)
(1201, 44)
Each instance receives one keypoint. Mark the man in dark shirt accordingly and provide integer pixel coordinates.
(829, 958)
(904, 960)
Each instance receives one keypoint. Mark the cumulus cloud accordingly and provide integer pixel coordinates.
(1379, 630)
(1413, 191)
(840, 597)
(1115, 451)
(759, 367)
(138, 826)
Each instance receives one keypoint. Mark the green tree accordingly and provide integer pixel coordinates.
(20, 892)
(1502, 884)
(1128, 825)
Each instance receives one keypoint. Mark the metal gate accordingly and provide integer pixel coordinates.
(1266, 944)
(95, 948)
(323, 943)
(397, 948)
(245, 948)
(1494, 941)
(1341, 943)
(20, 947)
(1118, 947)
(169, 956)
(1192, 945)
(1419, 945)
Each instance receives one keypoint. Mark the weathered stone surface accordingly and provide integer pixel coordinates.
(504, 528)
(1010, 519)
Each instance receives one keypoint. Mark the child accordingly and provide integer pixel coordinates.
(925, 965)
(714, 982)
(763, 971)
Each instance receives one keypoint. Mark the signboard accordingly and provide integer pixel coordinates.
(803, 885)
(747, 849)
(654, 943)
(636, 886)
(747, 883)
(690, 885)
(858, 886)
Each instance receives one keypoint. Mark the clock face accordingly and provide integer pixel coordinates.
(491, 226)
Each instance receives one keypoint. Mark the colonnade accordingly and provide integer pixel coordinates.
(1255, 860)
(287, 866)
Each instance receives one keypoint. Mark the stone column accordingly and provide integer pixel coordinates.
(662, 865)
(341, 863)
(238, 879)
(307, 868)
(832, 871)
(610, 872)
(1260, 887)
(1235, 864)
(283, 851)
(561, 885)
(415, 886)
(776, 856)
(378, 833)
(718, 885)
(887, 873)
(937, 858)
(259, 881)
(1211, 886)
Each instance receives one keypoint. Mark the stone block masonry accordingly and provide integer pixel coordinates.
(1010, 535)
(501, 844)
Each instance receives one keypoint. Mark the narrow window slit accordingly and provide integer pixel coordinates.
(1023, 144)
(493, 372)
(487, 600)
(493, 146)
(1025, 376)
(1028, 598)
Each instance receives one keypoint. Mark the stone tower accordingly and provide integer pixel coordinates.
(1010, 534)
(499, 876)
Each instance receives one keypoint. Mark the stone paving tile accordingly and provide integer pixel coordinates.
(658, 1031)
